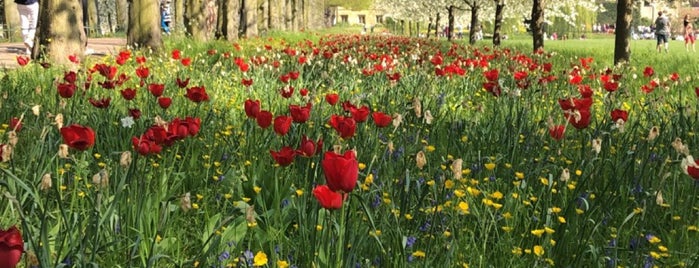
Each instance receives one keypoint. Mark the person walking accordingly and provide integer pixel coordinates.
(166, 15)
(689, 37)
(28, 17)
(662, 31)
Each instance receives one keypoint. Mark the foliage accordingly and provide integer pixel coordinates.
(469, 170)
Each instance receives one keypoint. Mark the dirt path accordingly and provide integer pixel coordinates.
(96, 46)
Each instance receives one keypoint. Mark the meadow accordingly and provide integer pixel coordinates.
(346, 150)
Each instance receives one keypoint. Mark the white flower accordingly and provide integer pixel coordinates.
(127, 122)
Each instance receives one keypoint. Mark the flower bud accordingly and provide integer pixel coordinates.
(59, 121)
(428, 117)
(653, 133)
(46, 182)
(597, 145)
(456, 168)
(565, 175)
(417, 107)
(63, 151)
(101, 179)
(125, 159)
(420, 159)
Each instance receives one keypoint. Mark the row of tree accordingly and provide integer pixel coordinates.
(62, 24)
(533, 13)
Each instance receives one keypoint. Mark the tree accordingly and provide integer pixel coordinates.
(536, 24)
(474, 6)
(229, 12)
(144, 27)
(499, 8)
(62, 33)
(122, 14)
(195, 19)
(624, 15)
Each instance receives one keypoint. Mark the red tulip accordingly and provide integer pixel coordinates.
(128, 94)
(283, 157)
(264, 119)
(176, 54)
(619, 114)
(557, 132)
(156, 134)
(575, 103)
(15, 124)
(294, 75)
(70, 77)
(142, 72)
(360, 114)
(135, 113)
(492, 75)
(282, 124)
(285, 78)
(11, 247)
(186, 62)
(140, 59)
(648, 71)
(23, 60)
(101, 103)
(341, 171)
(580, 119)
(156, 89)
(308, 148)
(287, 91)
(145, 146)
(332, 98)
(303, 92)
(197, 94)
(345, 126)
(381, 119)
(105, 70)
(66, 90)
(252, 108)
(327, 198)
(611, 86)
(182, 83)
(300, 114)
(246, 82)
(164, 102)
(78, 137)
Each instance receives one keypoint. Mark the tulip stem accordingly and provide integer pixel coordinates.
(339, 253)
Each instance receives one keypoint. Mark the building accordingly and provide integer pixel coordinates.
(368, 17)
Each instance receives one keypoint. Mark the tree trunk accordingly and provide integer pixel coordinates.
(144, 27)
(450, 17)
(429, 27)
(499, 7)
(91, 17)
(250, 18)
(195, 19)
(61, 34)
(11, 19)
(263, 16)
(276, 17)
(178, 19)
(436, 26)
(317, 14)
(475, 24)
(622, 31)
(122, 14)
(230, 19)
(537, 24)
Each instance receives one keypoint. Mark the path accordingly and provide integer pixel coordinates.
(98, 46)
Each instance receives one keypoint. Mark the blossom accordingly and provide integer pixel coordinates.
(618, 114)
(341, 171)
(648, 71)
(197, 94)
(156, 89)
(23, 60)
(308, 148)
(101, 103)
(15, 124)
(381, 119)
(128, 93)
(142, 72)
(300, 114)
(283, 157)
(11, 247)
(690, 167)
(164, 102)
(264, 119)
(145, 145)
(345, 126)
(66, 90)
(359, 114)
(260, 259)
(557, 132)
(252, 107)
(78, 137)
(282, 124)
(327, 198)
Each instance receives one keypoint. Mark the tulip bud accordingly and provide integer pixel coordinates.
(397, 120)
(59, 121)
(186, 202)
(456, 168)
(428, 117)
(12, 138)
(659, 198)
(597, 145)
(653, 133)
(125, 160)
(5, 152)
(46, 182)
(680, 147)
(420, 159)
(417, 107)
(565, 175)
(63, 151)
(36, 110)
(101, 178)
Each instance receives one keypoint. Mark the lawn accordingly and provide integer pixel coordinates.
(315, 150)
